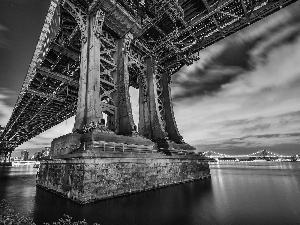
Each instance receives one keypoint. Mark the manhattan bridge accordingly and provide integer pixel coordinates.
(138, 43)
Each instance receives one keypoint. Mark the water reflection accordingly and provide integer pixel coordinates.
(173, 205)
(252, 192)
(17, 185)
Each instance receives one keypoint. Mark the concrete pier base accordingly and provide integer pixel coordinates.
(94, 176)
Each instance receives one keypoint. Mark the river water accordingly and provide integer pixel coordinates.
(238, 193)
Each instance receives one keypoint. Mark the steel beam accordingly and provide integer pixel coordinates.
(213, 17)
(57, 76)
(187, 29)
(40, 110)
(15, 120)
(44, 95)
(66, 52)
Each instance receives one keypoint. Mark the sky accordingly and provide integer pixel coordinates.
(242, 95)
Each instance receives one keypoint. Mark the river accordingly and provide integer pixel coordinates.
(238, 193)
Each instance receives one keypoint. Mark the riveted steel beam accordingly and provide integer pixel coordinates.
(44, 95)
(57, 76)
(65, 51)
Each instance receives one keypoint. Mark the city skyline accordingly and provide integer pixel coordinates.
(240, 96)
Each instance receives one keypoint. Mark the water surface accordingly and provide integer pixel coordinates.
(238, 193)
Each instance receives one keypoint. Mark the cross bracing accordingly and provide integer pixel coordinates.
(171, 31)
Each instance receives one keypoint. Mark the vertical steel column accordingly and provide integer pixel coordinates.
(125, 122)
(171, 126)
(89, 99)
(156, 120)
(144, 112)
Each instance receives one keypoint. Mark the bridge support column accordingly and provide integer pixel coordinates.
(101, 69)
(98, 74)
(171, 126)
(157, 122)
(96, 83)
(144, 103)
(125, 122)
(80, 119)
(162, 123)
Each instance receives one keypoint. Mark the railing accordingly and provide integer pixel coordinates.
(121, 147)
(23, 163)
(114, 147)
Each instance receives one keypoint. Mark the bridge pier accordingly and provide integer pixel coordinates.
(102, 159)
(90, 179)
(157, 114)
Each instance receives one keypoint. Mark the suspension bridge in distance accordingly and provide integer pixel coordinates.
(264, 154)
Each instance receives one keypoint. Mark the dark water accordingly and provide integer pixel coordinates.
(237, 193)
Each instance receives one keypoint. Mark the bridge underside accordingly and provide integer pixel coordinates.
(168, 32)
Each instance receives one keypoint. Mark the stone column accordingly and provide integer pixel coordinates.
(93, 98)
(89, 108)
(157, 123)
(81, 113)
(161, 122)
(171, 126)
(144, 112)
(125, 122)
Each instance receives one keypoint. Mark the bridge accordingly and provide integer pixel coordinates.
(261, 154)
(155, 37)
(88, 55)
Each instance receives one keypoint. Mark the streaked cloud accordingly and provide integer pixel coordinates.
(248, 88)
(5, 108)
(4, 42)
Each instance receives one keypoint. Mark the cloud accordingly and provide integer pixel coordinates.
(285, 36)
(279, 70)
(201, 82)
(240, 53)
(262, 140)
(241, 101)
(5, 108)
(4, 42)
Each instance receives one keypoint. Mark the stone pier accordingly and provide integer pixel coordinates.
(96, 176)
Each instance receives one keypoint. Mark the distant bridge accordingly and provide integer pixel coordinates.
(170, 31)
(259, 154)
